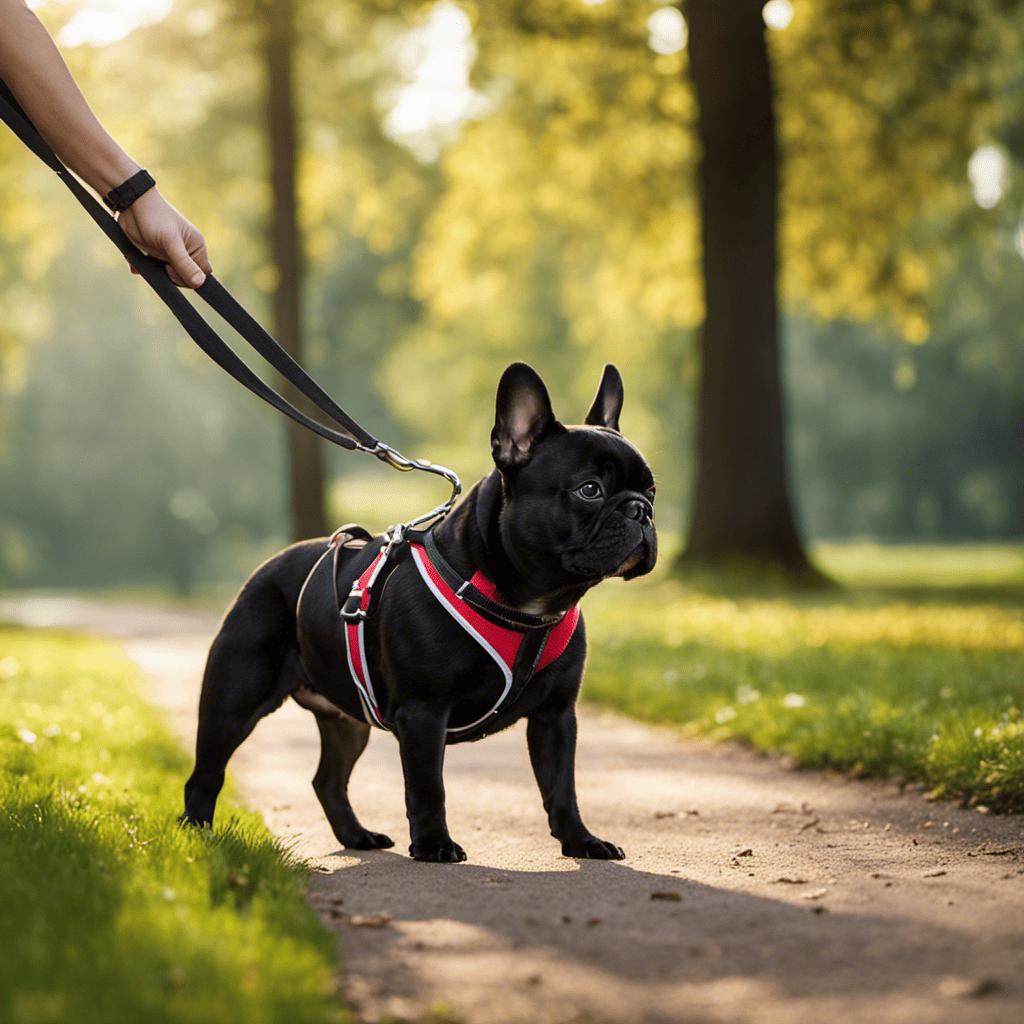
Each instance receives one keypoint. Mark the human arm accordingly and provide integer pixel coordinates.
(33, 68)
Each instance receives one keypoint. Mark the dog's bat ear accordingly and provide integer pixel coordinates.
(608, 401)
(522, 417)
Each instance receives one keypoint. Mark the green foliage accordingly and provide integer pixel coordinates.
(592, 137)
(924, 690)
(894, 440)
(126, 455)
(879, 107)
(559, 227)
(108, 909)
(122, 448)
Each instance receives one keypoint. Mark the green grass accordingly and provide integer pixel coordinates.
(109, 911)
(918, 675)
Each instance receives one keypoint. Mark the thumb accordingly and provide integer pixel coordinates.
(187, 268)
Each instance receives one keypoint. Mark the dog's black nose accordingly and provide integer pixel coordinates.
(637, 509)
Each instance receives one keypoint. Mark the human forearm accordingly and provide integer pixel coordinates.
(32, 66)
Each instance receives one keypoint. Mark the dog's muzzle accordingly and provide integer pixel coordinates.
(622, 542)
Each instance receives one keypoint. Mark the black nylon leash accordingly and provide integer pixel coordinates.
(154, 273)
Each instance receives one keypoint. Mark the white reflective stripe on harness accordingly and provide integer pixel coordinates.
(355, 634)
(419, 555)
(355, 640)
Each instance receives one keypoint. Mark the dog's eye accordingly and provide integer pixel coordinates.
(590, 490)
(651, 493)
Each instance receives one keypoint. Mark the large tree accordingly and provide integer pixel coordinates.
(306, 455)
(657, 172)
(741, 508)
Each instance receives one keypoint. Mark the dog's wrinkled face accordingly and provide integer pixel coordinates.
(579, 501)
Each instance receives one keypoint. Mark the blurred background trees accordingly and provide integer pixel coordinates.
(520, 179)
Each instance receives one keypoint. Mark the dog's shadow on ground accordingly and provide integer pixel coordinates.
(637, 925)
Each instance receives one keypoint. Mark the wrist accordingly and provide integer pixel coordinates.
(109, 171)
(114, 176)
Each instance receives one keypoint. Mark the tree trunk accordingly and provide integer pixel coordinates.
(741, 510)
(305, 449)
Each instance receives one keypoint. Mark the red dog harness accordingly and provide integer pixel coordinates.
(518, 651)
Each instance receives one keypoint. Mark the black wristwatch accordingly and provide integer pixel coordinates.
(127, 192)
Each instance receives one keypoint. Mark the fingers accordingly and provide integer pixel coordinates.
(200, 256)
(159, 230)
(184, 270)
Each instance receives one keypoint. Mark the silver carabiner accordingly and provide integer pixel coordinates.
(396, 460)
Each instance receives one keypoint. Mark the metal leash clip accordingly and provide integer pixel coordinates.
(397, 460)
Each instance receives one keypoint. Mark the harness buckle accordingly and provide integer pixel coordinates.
(351, 610)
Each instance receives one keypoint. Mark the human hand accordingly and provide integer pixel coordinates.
(158, 229)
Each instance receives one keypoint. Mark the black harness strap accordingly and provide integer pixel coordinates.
(494, 610)
(154, 272)
(531, 650)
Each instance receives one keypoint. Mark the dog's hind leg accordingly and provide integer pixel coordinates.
(342, 740)
(252, 667)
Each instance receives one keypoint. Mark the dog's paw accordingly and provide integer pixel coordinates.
(592, 848)
(368, 840)
(440, 851)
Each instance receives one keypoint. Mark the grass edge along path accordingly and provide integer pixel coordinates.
(108, 910)
(926, 691)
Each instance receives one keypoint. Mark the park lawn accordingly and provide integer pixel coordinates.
(922, 684)
(108, 910)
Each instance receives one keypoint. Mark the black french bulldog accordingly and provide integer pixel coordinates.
(565, 508)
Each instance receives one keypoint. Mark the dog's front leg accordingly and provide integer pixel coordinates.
(421, 735)
(551, 738)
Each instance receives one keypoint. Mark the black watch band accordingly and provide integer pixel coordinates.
(127, 192)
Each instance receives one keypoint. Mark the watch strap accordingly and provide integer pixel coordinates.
(120, 198)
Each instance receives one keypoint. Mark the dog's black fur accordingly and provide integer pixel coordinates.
(564, 508)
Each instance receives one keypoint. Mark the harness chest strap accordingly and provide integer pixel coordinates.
(518, 652)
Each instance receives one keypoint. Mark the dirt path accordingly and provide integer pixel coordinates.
(749, 894)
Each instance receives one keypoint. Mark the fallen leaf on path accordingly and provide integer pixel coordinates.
(666, 895)
(745, 853)
(998, 853)
(693, 812)
(664, 814)
(967, 988)
(809, 824)
(786, 880)
(938, 873)
(816, 895)
(369, 921)
(593, 921)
